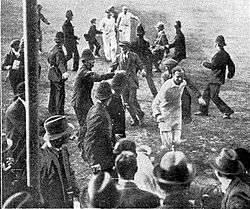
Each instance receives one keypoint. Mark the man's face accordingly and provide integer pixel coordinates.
(16, 47)
(125, 10)
(108, 14)
(125, 49)
(178, 77)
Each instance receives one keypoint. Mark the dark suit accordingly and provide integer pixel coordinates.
(130, 65)
(57, 60)
(40, 17)
(218, 70)
(98, 143)
(133, 197)
(70, 43)
(237, 195)
(179, 46)
(92, 39)
(81, 100)
(141, 47)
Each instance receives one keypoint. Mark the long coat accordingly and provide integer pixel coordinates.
(179, 46)
(218, 66)
(69, 36)
(133, 197)
(98, 144)
(167, 104)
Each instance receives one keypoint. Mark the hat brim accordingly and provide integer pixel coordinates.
(158, 171)
(215, 166)
(51, 137)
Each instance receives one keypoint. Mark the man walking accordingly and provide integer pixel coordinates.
(124, 24)
(107, 26)
(70, 40)
(57, 75)
(130, 63)
(218, 72)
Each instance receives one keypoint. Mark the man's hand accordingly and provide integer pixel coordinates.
(201, 101)
(65, 75)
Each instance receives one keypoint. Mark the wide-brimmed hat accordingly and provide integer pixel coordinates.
(174, 169)
(119, 80)
(15, 42)
(227, 162)
(87, 55)
(59, 37)
(103, 91)
(160, 25)
(220, 40)
(56, 127)
(125, 43)
(69, 13)
(124, 145)
(140, 30)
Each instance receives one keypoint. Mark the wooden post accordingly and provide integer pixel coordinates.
(31, 92)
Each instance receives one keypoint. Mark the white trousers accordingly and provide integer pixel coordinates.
(124, 33)
(169, 138)
(109, 46)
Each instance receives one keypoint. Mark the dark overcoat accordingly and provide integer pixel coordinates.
(179, 46)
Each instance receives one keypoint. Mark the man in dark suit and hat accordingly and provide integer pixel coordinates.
(230, 172)
(98, 142)
(84, 82)
(131, 195)
(56, 176)
(141, 47)
(174, 175)
(57, 75)
(70, 40)
(130, 63)
(218, 66)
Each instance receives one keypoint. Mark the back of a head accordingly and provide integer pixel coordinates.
(124, 145)
(126, 165)
(102, 191)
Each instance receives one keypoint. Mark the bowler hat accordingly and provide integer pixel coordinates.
(220, 40)
(159, 25)
(56, 127)
(140, 30)
(59, 37)
(69, 13)
(103, 91)
(125, 43)
(15, 42)
(87, 55)
(173, 169)
(93, 20)
(124, 145)
(119, 80)
(227, 162)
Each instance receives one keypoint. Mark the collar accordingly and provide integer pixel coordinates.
(123, 182)
(15, 52)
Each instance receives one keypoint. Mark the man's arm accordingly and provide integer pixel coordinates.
(231, 68)
(60, 60)
(192, 86)
(44, 19)
(97, 77)
(215, 62)
(132, 16)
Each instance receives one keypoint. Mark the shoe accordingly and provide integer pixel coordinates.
(227, 116)
(199, 113)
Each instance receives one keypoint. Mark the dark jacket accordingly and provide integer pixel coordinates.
(69, 36)
(133, 197)
(57, 60)
(92, 33)
(41, 17)
(237, 195)
(9, 59)
(179, 46)
(54, 184)
(218, 66)
(98, 144)
(117, 114)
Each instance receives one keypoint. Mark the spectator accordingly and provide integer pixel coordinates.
(102, 191)
(91, 38)
(174, 175)
(56, 176)
(132, 196)
(98, 142)
(113, 12)
(70, 40)
(244, 158)
(167, 109)
(115, 107)
(229, 170)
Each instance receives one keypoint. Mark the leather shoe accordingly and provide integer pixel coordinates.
(199, 113)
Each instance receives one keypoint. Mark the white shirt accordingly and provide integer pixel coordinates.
(107, 25)
(125, 19)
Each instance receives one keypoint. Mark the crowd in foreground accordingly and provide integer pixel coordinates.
(123, 174)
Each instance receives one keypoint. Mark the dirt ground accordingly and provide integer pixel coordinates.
(202, 21)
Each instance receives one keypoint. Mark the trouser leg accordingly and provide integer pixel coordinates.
(106, 47)
(60, 98)
(151, 85)
(52, 101)
(134, 102)
(97, 47)
(113, 45)
(91, 46)
(206, 97)
(76, 59)
(221, 105)
(129, 106)
(186, 106)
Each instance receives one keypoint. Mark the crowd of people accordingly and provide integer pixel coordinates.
(123, 174)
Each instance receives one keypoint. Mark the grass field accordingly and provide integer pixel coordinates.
(202, 22)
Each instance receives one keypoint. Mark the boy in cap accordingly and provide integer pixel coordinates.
(92, 38)
(56, 176)
(218, 66)
(57, 75)
(98, 141)
(141, 47)
(167, 109)
(230, 172)
(84, 82)
(70, 40)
